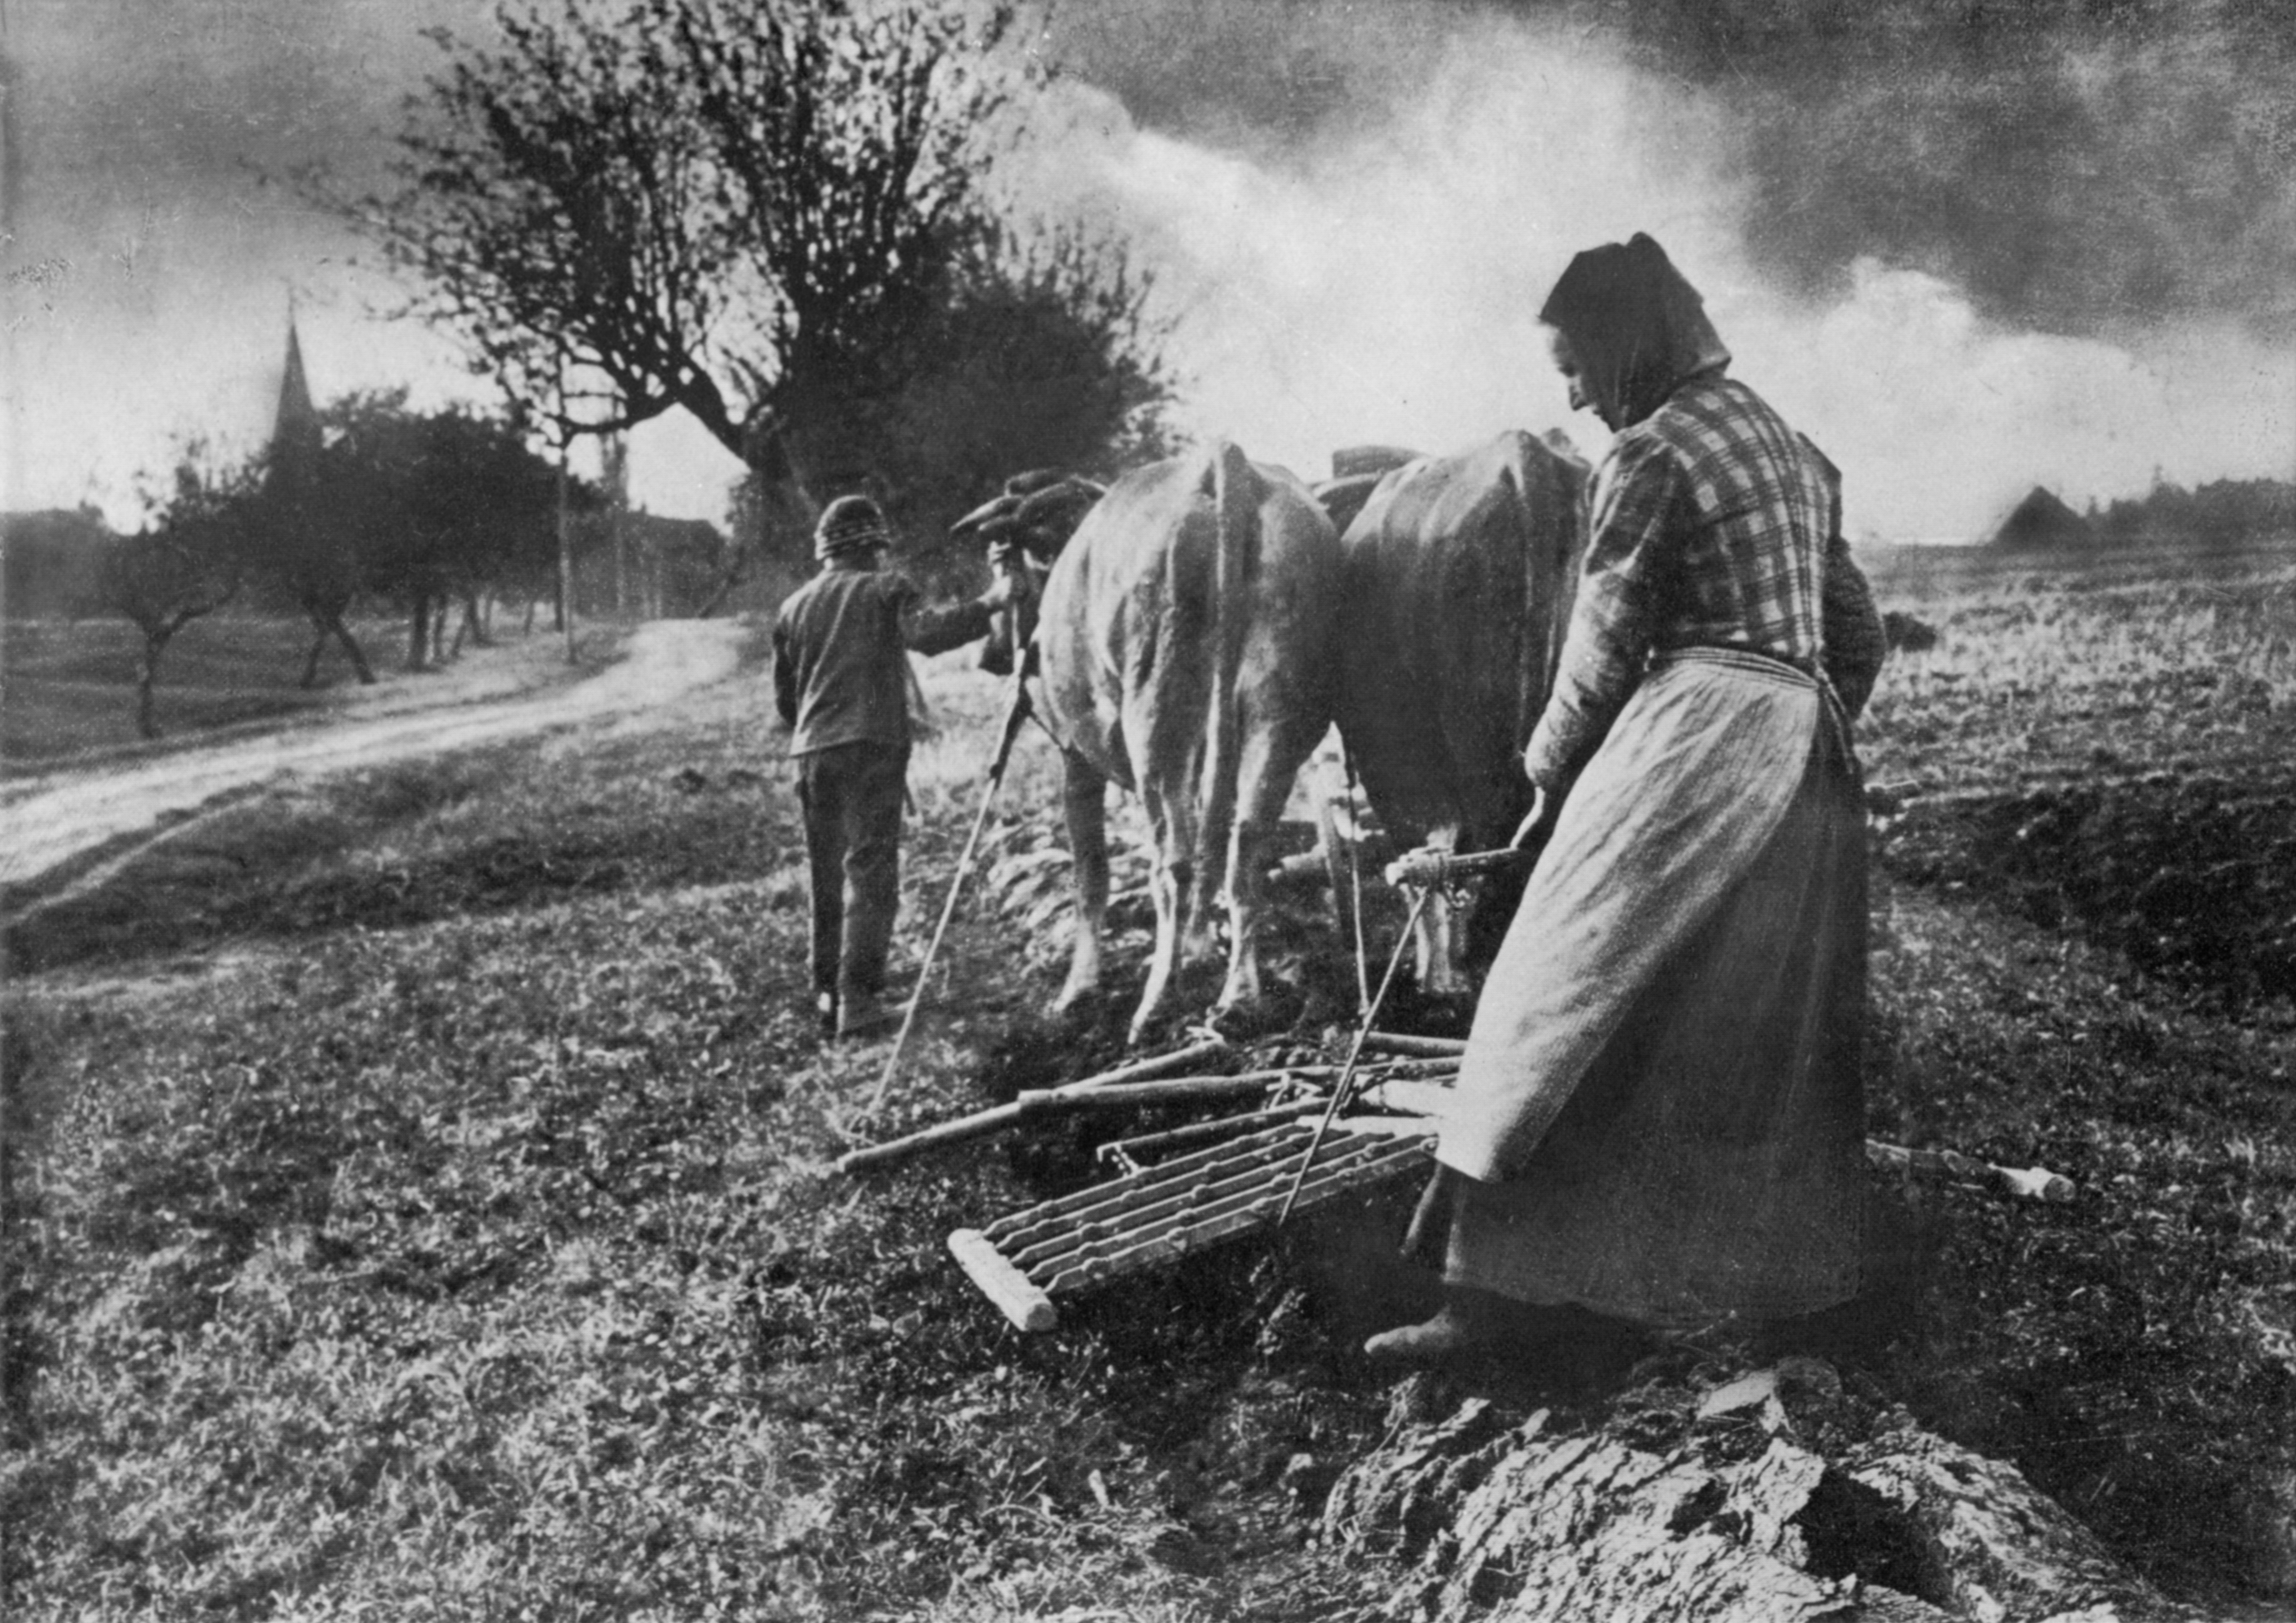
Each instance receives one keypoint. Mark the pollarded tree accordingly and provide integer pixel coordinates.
(762, 212)
(182, 566)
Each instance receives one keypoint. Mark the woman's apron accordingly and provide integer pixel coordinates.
(1661, 1112)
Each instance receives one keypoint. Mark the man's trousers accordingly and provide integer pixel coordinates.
(851, 795)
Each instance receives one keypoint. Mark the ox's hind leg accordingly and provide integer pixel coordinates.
(1271, 760)
(1084, 801)
(1168, 886)
(1202, 894)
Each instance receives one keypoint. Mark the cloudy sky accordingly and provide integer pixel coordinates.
(1966, 259)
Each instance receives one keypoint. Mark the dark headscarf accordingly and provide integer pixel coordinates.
(1636, 328)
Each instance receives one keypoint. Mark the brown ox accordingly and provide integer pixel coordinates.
(1458, 574)
(1185, 631)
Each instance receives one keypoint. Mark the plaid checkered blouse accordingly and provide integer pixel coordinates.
(1710, 528)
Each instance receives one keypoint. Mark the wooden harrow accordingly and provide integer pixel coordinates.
(1155, 1216)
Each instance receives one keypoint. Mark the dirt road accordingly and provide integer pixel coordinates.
(49, 821)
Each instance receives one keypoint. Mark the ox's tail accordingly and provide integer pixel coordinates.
(1235, 494)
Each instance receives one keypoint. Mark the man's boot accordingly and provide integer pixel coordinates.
(865, 1014)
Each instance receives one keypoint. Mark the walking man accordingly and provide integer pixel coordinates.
(842, 683)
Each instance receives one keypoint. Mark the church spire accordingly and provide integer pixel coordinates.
(297, 422)
(295, 439)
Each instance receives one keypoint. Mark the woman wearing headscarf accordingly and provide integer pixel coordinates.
(1660, 1116)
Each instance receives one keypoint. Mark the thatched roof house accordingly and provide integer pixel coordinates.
(50, 560)
(2041, 522)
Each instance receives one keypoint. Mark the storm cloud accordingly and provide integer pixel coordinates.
(2074, 165)
(1968, 248)
(1901, 228)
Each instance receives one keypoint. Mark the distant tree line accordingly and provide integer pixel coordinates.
(2226, 512)
(428, 514)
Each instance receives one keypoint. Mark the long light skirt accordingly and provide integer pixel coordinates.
(1661, 1110)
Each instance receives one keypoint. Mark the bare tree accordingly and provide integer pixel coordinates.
(184, 566)
(737, 206)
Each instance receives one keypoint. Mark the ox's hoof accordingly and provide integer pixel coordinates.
(1078, 1009)
(1449, 1013)
(1247, 1017)
(1411, 1008)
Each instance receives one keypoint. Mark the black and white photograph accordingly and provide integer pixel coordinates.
(1148, 811)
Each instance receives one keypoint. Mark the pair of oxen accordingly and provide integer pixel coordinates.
(1202, 623)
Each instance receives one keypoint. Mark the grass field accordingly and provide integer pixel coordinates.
(67, 687)
(419, 1198)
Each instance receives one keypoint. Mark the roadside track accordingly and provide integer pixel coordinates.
(72, 812)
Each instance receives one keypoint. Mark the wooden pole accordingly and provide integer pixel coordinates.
(1355, 879)
(1015, 714)
(565, 560)
(1417, 1047)
(1125, 1151)
(1177, 1090)
(1354, 1054)
(2024, 1183)
(1061, 1101)
(1162, 1065)
(565, 527)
